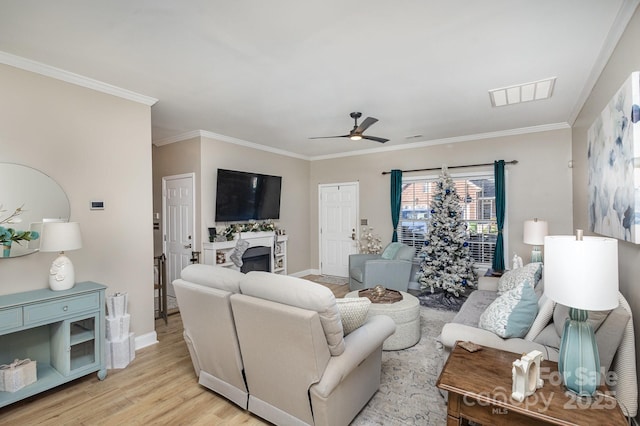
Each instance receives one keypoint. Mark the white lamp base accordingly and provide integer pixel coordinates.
(61, 275)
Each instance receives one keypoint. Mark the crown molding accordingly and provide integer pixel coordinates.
(611, 41)
(178, 138)
(211, 135)
(456, 139)
(69, 77)
(414, 145)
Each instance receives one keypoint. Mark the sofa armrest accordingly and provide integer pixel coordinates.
(488, 283)
(453, 332)
(358, 260)
(359, 345)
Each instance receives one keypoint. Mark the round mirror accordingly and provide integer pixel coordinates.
(28, 198)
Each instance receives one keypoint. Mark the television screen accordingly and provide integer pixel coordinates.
(247, 196)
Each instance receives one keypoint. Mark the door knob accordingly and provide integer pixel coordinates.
(353, 234)
(187, 246)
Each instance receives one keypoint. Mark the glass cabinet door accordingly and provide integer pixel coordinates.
(74, 344)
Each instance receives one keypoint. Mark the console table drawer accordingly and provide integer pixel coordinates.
(10, 318)
(60, 308)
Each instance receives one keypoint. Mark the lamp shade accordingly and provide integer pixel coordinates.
(581, 274)
(60, 236)
(535, 231)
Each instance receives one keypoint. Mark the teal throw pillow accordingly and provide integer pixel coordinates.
(391, 251)
(512, 313)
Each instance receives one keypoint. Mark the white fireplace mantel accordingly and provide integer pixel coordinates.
(217, 253)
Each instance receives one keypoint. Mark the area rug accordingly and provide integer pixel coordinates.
(408, 393)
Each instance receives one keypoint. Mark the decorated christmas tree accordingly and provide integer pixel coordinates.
(446, 262)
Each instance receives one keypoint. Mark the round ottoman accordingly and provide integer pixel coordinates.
(406, 315)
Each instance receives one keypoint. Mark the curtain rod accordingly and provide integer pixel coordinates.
(452, 167)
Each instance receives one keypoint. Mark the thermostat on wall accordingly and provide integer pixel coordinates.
(97, 205)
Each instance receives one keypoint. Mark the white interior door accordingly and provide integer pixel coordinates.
(338, 227)
(179, 217)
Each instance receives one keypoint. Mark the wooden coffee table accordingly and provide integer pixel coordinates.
(479, 386)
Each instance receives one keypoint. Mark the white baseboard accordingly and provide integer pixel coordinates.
(305, 273)
(146, 340)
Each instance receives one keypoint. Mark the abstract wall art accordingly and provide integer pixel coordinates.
(614, 165)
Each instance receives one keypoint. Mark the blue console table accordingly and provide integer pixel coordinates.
(64, 331)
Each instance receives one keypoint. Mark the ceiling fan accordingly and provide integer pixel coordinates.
(356, 133)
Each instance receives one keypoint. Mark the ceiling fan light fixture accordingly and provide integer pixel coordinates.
(356, 133)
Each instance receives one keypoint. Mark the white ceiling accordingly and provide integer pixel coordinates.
(278, 72)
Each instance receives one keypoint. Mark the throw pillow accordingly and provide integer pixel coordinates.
(353, 311)
(531, 272)
(561, 314)
(545, 313)
(391, 250)
(511, 314)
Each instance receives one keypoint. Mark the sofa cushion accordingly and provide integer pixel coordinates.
(353, 312)
(548, 337)
(531, 273)
(213, 276)
(512, 313)
(609, 334)
(300, 293)
(474, 306)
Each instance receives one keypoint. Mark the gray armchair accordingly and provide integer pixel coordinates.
(392, 269)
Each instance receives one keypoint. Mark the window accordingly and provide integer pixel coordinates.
(477, 196)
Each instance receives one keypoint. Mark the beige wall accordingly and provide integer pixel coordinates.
(171, 160)
(538, 186)
(294, 202)
(624, 60)
(97, 147)
(204, 156)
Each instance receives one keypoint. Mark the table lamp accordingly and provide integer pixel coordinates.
(534, 232)
(61, 237)
(581, 273)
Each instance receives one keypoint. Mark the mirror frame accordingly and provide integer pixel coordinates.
(29, 196)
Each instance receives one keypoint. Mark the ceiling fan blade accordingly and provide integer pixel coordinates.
(329, 137)
(375, 138)
(365, 125)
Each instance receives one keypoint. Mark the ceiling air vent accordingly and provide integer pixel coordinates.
(527, 92)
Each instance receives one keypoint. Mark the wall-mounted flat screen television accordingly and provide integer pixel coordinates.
(247, 196)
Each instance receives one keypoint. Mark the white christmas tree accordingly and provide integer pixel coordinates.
(446, 261)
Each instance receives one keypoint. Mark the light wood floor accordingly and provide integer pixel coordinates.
(158, 388)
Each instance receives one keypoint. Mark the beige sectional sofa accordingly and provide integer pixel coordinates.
(275, 345)
(204, 296)
(613, 330)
